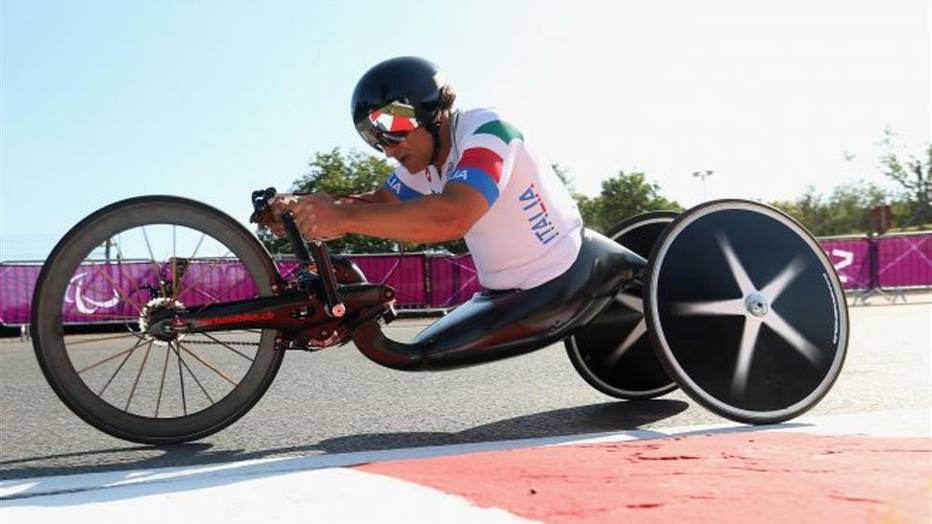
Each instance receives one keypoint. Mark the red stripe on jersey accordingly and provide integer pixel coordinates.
(484, 159)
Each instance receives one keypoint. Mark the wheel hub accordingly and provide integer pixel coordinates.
(757, 304)
(153, 307)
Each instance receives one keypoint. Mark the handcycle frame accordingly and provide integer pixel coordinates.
(328, 304)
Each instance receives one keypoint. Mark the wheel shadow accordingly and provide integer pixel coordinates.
(197, 465)
(593, 418)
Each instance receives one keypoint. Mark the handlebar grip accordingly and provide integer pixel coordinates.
(260, 202)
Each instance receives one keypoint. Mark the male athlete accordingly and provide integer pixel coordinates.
(460, 174)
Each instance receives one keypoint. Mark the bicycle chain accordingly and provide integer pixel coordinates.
(227, 342)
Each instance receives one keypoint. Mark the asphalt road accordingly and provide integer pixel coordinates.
(337, 401)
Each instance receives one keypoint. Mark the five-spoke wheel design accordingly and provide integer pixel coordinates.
(746, 311)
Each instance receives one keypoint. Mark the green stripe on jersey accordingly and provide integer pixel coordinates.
(501, 129)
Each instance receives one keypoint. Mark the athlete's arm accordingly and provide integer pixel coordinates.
(431, 218)
(379, 196)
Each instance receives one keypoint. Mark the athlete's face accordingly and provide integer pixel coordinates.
(414, 151)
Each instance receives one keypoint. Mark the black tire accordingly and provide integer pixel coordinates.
(746, 311)
(612, 353)
(54, 346)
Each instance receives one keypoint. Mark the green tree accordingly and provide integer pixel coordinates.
(846, 210)
(914, 175)
(622, 196)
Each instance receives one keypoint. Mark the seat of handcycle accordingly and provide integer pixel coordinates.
(500, 324)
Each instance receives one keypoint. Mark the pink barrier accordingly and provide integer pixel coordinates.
(114, 292)
(904, 261)
(453, 280)
(851, 260)
(408, 279)
(16, 284)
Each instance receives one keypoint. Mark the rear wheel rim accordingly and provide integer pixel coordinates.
(613, 353)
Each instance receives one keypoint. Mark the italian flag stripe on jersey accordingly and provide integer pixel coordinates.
(484, 159)
(503, 130)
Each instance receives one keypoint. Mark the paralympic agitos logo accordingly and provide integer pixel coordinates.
(84, 304)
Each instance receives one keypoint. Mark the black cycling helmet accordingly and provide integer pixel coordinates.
(397, 96)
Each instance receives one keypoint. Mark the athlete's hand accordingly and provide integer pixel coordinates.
(272, 217)
(319, 217)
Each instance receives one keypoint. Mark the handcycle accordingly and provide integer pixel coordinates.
(731, 301)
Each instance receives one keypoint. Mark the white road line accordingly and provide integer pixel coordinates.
(323, 495)
(264, 474)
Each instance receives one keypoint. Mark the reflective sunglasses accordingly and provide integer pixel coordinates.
(388, 125)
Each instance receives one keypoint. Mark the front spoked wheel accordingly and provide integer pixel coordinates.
(115, 271)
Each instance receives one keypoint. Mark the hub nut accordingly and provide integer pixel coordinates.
(757, 304)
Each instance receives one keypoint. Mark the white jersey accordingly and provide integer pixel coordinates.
(531, 232)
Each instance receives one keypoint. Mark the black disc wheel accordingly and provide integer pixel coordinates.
(612, 353)
(108, 276)
(746, 311)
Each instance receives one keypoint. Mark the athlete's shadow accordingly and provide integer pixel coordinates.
(593, 418)
(127, 480)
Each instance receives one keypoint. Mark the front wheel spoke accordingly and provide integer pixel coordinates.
(174, 264)
(104, 317)
(122, 363)
(207, 365)
(158, 270)
(218, 341)
(196, 381)
(184, 402)
(158, 401)
(215, 300)
(136, 382)
(108, 359)
(203, 265)
(101, 339)
(198, 246)
(200, 291)
(116, 287)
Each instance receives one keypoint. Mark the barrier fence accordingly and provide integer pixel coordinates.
(114, 291)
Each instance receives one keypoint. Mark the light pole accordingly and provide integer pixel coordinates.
(703, 175)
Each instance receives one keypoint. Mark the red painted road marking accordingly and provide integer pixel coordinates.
(739, 478)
